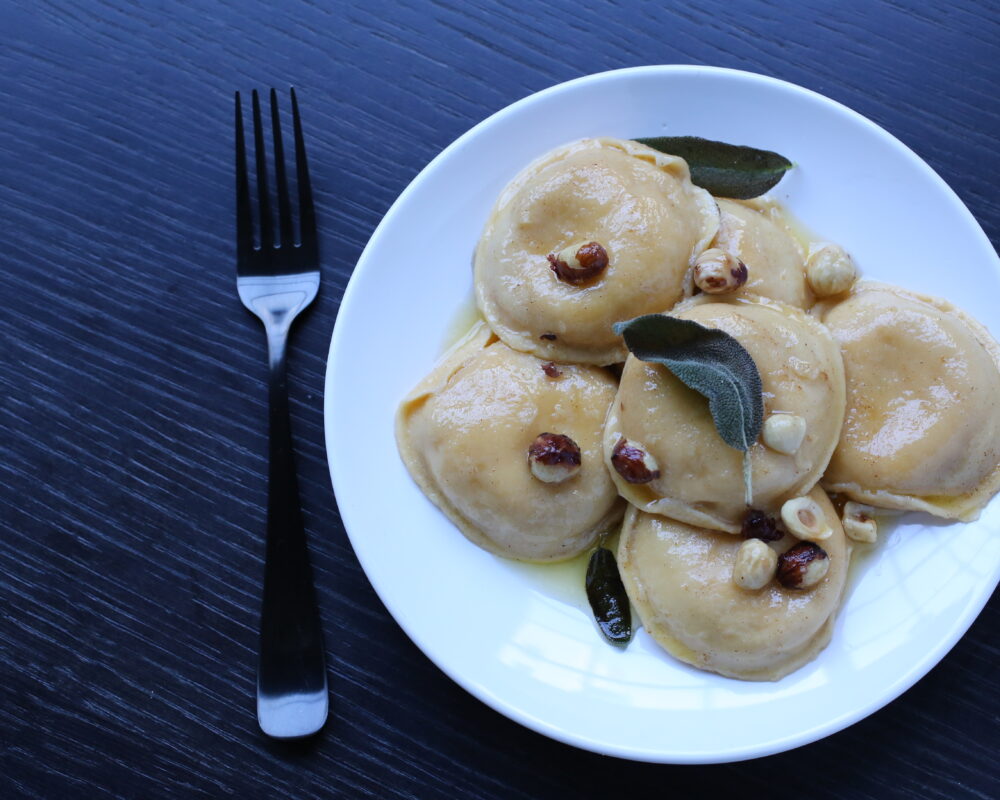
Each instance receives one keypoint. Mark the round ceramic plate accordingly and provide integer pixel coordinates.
(517, 637)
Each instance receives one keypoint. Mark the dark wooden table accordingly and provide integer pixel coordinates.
(132, 415)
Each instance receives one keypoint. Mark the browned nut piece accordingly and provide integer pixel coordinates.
(758, 525)
(859, 524)
(755, 565)
(633, 463)
(554, 458)
(550, 369)
(803, 566)
(579, 262)
(805, 520)
(719, 272)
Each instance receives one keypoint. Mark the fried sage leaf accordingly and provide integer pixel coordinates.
(725, 170)
(607, 597)
(712, 363)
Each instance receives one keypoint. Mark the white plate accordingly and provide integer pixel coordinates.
(495, 629)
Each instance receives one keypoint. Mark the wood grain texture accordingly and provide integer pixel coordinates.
(132, 410)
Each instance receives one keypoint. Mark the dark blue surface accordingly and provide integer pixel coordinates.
(132, 411)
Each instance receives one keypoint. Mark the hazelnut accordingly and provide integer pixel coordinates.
(803, 566)
(551, 370)
(719, 272)
(859, 524)
(830, 270)
(579, 262)
(755, 565)
(633, 463)
(758, 525)
(805, 520)
(554, 458)
(784, 433)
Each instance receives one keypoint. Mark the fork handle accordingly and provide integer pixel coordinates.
(292, 697)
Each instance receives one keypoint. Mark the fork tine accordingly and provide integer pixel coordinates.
(244, 218)
(284, 205)
(266, 229)
(307, 214)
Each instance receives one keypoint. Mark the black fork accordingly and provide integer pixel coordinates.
(276, 280)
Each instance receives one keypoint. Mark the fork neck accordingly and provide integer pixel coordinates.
(276, 301)
(277, 341)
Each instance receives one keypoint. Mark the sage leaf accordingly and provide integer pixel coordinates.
(607, 597)
(725, 170)
(712, 363)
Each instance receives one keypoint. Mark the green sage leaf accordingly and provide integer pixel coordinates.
(607, 597)
(725, 170)
(712, 363)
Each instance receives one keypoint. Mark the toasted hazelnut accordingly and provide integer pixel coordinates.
(803, 566)
(784, 433)
(579, 262)
(554, 458)
(805, 520)
(719, 272)
(755, 565)
(830, 270)
(859, 524)
(633, 462)
(758, 525)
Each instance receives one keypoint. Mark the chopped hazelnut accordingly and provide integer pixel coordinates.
(719, 272)
(755, 565)
(579, 262)
(550, 369)
(554, 458)
(805, 520)
(633, 462)
(803, 566)
(784, 433)
(859, 525)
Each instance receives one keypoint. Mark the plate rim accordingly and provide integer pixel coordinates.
(833, 725)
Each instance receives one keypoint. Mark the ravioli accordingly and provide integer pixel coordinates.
(531, 447)
(922, 429)
(775, 261)
(679, 578)
(464, 434)
(636, 202)
(700, 477)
